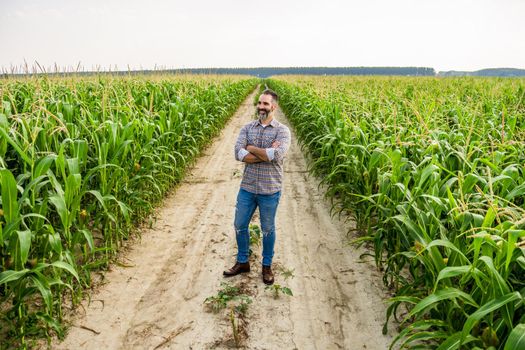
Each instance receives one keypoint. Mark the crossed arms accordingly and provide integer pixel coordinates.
(247, 153)
(256, 154)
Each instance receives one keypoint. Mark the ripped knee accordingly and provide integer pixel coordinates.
(267, 227)
(266, 233)
(239, 230)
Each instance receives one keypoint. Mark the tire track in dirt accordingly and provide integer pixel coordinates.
(157, 303)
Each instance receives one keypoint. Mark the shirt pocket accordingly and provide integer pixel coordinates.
(250, 140)
(251, 137)
(268, 138)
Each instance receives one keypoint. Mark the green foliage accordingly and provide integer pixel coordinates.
(82, 162)
(277, 290)
(255, 235)
(516, 339)
(220, 300)
(242, 307)
(285, 272)
(432, 172)
(228, 293)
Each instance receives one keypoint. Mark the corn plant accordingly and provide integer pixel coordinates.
(82, 162)
(431, 170)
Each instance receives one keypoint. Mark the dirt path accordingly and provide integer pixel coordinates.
(156, 302)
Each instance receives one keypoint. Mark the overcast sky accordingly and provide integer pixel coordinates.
(445, 34)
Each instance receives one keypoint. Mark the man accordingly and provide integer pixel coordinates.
(262, 145)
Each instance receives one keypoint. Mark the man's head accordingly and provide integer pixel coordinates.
(267, 104)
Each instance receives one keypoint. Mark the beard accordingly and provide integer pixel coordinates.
(263, 114)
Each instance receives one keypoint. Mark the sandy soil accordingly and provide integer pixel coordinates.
(155, 300)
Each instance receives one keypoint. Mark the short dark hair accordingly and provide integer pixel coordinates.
(272, 93)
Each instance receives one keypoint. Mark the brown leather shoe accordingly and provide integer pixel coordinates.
(237, 269)
(267, 275)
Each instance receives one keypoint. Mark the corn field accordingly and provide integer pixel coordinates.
(432, 171)
(82, 162)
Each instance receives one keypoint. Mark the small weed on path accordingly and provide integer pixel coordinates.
(277, 290)
(227, 293)
(286, 273)
(255, 237)
(237, 301)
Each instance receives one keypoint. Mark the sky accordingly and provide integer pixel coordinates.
(103, 34)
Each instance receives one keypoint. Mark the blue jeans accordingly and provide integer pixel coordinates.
(247, 202)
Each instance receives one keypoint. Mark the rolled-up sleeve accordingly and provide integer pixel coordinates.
(242, 153)
(270, 153)
(284, 138)
(241, 144)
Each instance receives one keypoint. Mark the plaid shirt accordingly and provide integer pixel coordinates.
(263, 177)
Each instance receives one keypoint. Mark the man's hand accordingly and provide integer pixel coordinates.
(276, 144)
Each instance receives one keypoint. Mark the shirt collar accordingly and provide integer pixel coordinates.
(272, 123)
